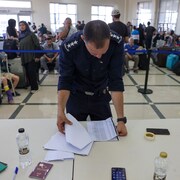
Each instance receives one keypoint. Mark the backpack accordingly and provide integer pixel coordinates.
(10, 44)
(176, 68)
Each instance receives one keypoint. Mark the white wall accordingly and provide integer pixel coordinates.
(41, 9)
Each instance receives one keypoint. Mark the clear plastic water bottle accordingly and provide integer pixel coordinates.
(23, 147)
(161, 165)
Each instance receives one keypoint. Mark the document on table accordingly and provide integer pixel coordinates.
(53, 155)
(76, 134)
(58, 142)
(102, 130)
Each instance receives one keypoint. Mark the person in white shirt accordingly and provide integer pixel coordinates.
(66, 31)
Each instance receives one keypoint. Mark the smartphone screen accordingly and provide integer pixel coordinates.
(158, 131)
(118, 173)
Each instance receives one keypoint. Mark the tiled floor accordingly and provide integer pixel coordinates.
(164, 102)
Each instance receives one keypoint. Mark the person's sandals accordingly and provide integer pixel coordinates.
(16, 94)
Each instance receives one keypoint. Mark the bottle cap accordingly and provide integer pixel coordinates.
(21, 130)
(163, 155)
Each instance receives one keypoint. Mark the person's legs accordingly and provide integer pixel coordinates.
(7, 90)
(99, 107)
(136, 62)
(127, 63)
(77, 107)
(15, 80)
(44, 65)
(56, 68)
(32, 76)
(56, 63)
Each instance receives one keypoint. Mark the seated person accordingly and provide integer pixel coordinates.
(6, 89)
(7, 75)
(49, 57)
(131, 55)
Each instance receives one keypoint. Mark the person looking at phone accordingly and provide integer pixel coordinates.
(90, 66)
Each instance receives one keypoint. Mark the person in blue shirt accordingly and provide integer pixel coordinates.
(90, 66)
(131, 55)
(135, 35)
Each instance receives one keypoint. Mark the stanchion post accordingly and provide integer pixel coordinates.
(145, 90)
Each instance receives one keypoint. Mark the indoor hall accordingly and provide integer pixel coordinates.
(37, 112)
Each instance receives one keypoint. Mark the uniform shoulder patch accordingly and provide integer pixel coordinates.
(116, 37)
(71, 44)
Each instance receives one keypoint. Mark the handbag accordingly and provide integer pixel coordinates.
(10, 44)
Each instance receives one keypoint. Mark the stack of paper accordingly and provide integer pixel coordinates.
(76, 140)
(102, 130)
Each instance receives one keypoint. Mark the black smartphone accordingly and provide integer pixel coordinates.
(158, 131)
(118, 173)
(3, 166)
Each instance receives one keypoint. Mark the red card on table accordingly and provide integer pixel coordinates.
(41, 170)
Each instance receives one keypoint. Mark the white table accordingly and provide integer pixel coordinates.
(40, 131)
(133, 152)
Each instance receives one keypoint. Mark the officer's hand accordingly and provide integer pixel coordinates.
(61, 121)
(121, 129)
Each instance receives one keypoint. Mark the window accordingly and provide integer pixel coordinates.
(144, 13)
(101, 13)
(168, 15)
(59, 12)
(16, 4)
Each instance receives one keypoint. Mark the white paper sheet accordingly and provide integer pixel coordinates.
(76, 134)
(101, 130)
(58, 142)
(52, 155)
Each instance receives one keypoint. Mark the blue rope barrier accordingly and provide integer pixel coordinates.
(31, 51)
(129, 51)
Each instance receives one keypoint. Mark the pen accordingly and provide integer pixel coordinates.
(15, 173)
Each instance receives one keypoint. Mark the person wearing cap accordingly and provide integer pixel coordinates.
(118, 26)
(49, 57)
(91, 66)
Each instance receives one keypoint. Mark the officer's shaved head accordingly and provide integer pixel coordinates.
(97, 32)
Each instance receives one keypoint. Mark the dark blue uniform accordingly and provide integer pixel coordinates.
(88, 77)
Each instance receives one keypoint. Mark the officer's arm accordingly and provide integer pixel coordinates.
(117, 98)
(116, 85)
(64, 85)
(63, 96)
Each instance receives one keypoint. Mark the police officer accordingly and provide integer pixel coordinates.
(90, 61)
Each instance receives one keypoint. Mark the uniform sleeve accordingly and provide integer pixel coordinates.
(67, 68)
(116, 69)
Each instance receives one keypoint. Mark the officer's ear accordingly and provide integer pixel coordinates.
(82, 37)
